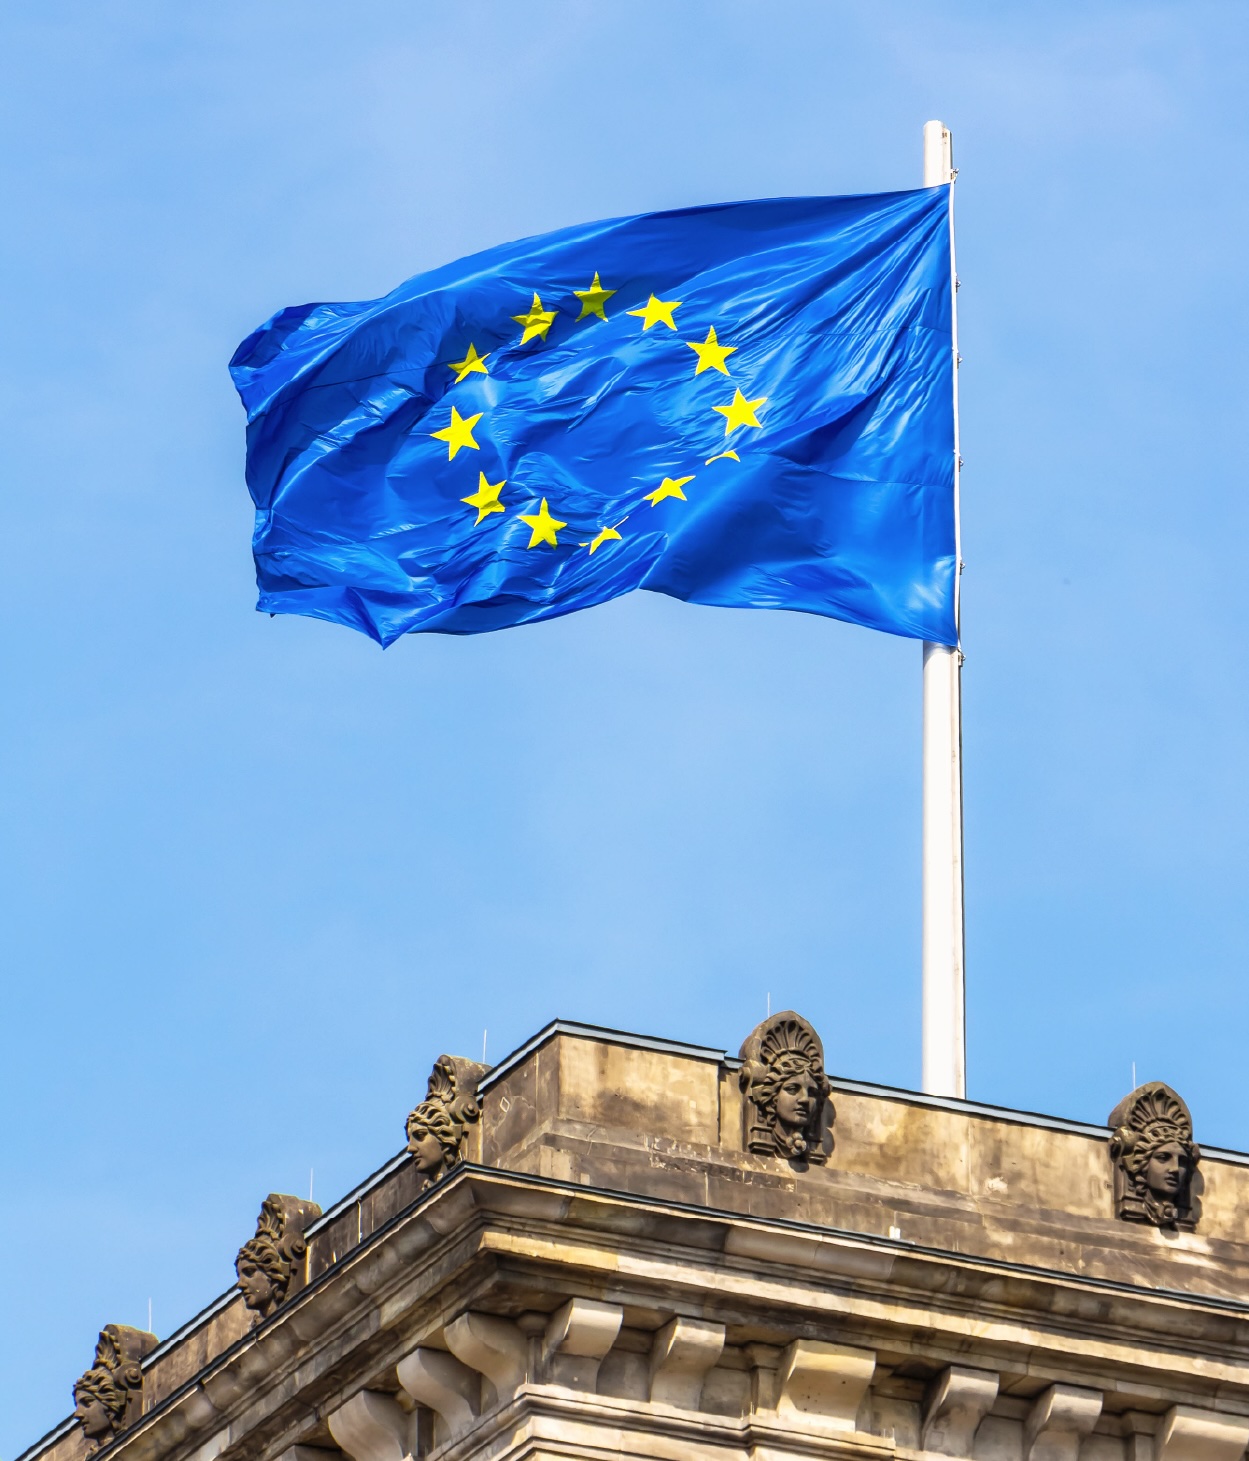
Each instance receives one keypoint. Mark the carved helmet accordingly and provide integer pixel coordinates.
(1149, 1118)
(276, 1245)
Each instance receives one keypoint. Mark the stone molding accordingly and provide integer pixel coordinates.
(999, 1159)
(552, 1422)
(637, 1249)
(656, 1253)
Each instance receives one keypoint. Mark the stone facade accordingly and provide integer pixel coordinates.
(632, 1252)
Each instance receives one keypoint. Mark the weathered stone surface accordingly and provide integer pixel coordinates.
(610, 1269)
(439, 1381)
(823, 1382)
(682, 1352)
(958, 1400)
(577, 1338)
(372, 1427)
(1059, 1420)
(1187, 1434)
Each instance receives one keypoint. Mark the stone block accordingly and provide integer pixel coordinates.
(824, 1383)
(958, 1400)
(372, 1427)
(440, 1382)
(1060, 1417)
(682, 1353)
(578, 1338)
(493, 1347)
(1189, 1434)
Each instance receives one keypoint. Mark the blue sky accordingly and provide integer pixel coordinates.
(258, 874)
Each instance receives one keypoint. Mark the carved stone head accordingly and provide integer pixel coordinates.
(1155, 1158)
(270, 1264)
(436, 1128)
(108, 1398)
(786, 1089)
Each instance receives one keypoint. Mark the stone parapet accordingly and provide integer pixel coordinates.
(616, 1244)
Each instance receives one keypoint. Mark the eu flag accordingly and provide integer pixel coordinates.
(749, 405)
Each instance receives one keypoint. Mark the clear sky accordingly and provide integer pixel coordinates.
(258, 874)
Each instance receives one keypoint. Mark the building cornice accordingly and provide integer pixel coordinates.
(525, 1233)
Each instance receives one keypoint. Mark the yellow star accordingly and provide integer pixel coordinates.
(739, 411)
(656, 310)
(472, 362)
(668, 488)
(458, 434)
(542, 526)
(605, 535)
(537, 322)
(720, 455)
(592, 302)
(486, 498)
(711, 354)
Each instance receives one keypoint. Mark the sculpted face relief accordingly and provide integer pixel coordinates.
(1167, 1172)
(92, 1414)
(796, 1102)
(258, 1288)
(786, 1089)
(108, 1398)
(1155, 1158)
(433, 1140)
(436, 1129)
(270, 1265)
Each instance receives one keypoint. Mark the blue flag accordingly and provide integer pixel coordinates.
(748, 405)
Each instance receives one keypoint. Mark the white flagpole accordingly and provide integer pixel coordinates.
(945, 1055)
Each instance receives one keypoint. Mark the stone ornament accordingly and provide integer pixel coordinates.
(108, 1399)
(270, 1265)
(437, 1127)
(786, 1089)
(1155, 1158)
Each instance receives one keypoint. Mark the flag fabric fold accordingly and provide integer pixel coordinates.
(748, 405)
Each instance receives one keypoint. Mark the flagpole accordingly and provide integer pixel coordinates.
(944, 1040)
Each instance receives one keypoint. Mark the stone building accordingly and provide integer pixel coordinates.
(611, 1246)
